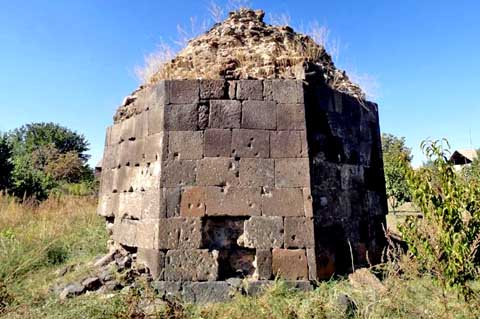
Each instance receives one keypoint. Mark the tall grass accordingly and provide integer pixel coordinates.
(37, 238)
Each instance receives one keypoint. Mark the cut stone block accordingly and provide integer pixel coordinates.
(191, 265)
(128, 130)
(218, 142)
(290, 264)
(193, 202)
(218, 172)
(183, 91)
(250, 90)
(232, 90)
(179, 233)
(259, 115)
(125, 232)
(167, 289)
(155, 119)
(292, 172)
(153, 204)
(312, 264)
(224, 114)
(285, 144)
(141, 125)
(288, 91)
(181, 117)
(130, 205)
(212, 89)
(291, 117)
(263, 233)
(185, 145)
(283, 202)
(233, 201)
(207, 292)
(250, 143)
(115, 134)
(257, 172)
(178, 173)
(172, 198)
(264, 264)
(153, 146)
(203, 111)
(147, 234)
(154, 260)
(299, 232)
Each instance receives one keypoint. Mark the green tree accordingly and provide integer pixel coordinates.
(6, 166)
(44, 156)
(395, 155)
(446, 240)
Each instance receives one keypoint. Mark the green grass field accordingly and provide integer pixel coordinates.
(38, 241)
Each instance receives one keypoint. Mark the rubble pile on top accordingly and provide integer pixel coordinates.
(245, 47)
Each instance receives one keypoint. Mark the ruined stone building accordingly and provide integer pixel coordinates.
(248, 156)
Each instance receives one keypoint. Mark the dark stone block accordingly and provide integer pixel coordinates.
(218, 142)
(207, 292)
(250, 90)
(181, 117)
(212, 89)
(224, 114)
(183, 91)
(259, 115)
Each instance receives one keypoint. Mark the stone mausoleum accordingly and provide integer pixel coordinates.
(209, 181)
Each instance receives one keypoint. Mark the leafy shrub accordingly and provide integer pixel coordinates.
(446, 240)
(395, 156)
(57, 254)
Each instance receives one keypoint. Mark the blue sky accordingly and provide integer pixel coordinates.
(72, 62)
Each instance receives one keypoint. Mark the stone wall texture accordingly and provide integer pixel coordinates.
(212, 180)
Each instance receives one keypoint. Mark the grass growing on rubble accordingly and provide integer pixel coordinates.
(36, 241)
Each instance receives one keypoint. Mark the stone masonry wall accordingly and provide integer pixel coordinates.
(212, 180)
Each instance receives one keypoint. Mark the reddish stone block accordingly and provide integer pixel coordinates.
(193, 202)
(290, 264)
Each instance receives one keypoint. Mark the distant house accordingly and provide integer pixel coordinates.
(460, 158)
(98, 169)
